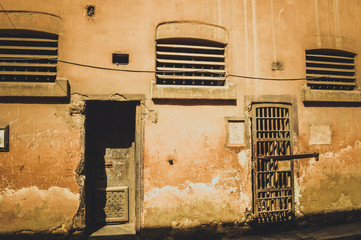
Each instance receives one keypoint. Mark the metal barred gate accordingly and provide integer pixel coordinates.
(273, 187)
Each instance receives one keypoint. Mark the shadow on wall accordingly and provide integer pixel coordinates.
(332, 104)
(36, 100)
(212, 231)
(195, 102)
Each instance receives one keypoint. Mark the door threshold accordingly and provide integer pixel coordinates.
(114, 231)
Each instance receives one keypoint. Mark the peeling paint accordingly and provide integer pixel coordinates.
(192, 204)
(38, 210)
(242, 158)
(329, 185)
(343, 202)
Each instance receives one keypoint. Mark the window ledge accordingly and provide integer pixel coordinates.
(312, 95)
(58, 89)
(228, 92)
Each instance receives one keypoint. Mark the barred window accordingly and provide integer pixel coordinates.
(28, 56)
(330, 69)
(190, 62)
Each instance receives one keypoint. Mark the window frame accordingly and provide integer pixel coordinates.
(310, 95)
(333, 66)
(194, 62)
(193, 30)
(40, 22)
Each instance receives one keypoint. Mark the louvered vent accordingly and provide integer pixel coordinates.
(28, 57)
(190, 62)
(330, 69)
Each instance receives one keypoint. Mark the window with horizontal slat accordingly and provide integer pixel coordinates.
(190, 62)
(28, 56)
(330, 69)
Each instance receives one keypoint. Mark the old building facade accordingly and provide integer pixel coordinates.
(123, 116)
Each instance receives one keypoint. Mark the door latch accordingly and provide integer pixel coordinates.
(108, 164)
(289, 157)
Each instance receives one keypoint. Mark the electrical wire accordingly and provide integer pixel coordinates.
(149, 71)
(205, 71)
(275, 79)
(7, 16)
(106, 68)
(159, 72)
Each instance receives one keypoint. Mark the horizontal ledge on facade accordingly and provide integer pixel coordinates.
(228, 92)
(57, 89)
(336, 96)
(111, 97)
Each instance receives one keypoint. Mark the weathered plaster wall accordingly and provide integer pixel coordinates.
(330, 185)
(39, 190)
(44, 148)
(30, 209)
(208, 182)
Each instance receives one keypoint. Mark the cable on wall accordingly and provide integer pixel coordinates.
(152, 71)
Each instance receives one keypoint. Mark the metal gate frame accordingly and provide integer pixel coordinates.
(271, 216)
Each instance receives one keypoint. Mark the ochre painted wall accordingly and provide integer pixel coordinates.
(208, 183)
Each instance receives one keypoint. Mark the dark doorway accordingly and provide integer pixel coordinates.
(110, 165)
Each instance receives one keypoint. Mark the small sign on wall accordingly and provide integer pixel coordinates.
(4, 139)
(320, 134)
(236, 132)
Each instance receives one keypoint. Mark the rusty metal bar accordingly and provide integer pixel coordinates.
(289, 157)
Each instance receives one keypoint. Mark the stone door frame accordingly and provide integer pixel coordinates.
(77, 112)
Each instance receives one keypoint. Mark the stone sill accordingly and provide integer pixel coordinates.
(110, 231)
(228, 92)
(57, 89)
(311, 95)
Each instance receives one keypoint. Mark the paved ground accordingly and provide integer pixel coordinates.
(342, 231)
